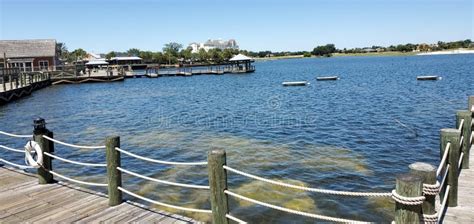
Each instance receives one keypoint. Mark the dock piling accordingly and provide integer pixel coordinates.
(44, 177)
(114, 176)
(453, 136)
(428, 174)
(218, 184)
(466, 132)
(408, 185)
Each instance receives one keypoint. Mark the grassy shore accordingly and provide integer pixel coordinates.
(387, 53)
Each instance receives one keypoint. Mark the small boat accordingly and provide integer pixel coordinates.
(327, 78)
(152, 75)
(296, 83)
(428, 77)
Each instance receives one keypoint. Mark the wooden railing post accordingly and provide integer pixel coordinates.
(114, 176)
(216, 159)
(408, 185)
(466, 132)
(453, 136)
(44, 177)
(471, 104)
(428, 174)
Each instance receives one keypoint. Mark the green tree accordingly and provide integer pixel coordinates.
(158, 58)
(147, 56)
(171, 51)
(78, 54)
(326, 50)
(215, 54)
(227, 54)
(133, 52)
(186, 54)
(203, 56)
(307, 54)
(110, 55)
(61, 50)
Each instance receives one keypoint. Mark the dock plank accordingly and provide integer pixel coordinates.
(25, 201)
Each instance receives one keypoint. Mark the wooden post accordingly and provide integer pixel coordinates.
(114, 176)
(453, 136)
(428, 174)
(408, 185)
(471, 104)
(44, 177)
(11, 81)
(216, 159)
(466, 132)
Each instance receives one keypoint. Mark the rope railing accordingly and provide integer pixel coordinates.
(163, 181)
(443, 160)
(461, 141)
(445, 176)
(77, 181)
(75, 162)
(233, 218)
(15, 165)
(460, 160)
(15, 135)
(461, 125)
(160, 161)
(72, 145)
(306, 214)
(12, 149)
(317, 190)
(163, 204)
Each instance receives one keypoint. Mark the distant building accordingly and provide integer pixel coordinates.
(29, 55)
(125, 60)
(210, 44)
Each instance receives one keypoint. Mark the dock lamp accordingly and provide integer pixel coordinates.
(39, 124)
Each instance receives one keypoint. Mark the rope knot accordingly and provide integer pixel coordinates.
(407, 200)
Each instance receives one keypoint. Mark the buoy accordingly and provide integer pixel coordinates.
(296, 83)
(327, 78)
(428, 77)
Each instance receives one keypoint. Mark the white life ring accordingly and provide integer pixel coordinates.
(33, 147)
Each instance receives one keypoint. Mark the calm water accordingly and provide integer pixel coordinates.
(353, 134)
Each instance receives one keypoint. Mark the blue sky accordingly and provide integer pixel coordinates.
(102, 26)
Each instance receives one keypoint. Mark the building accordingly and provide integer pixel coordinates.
(125, 60)
(29, 55)
(211, 44)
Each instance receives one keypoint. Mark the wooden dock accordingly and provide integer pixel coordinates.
(464, 212)
(15, 84)
(23, 200)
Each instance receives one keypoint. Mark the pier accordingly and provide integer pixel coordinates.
(425, 194)
(15, 84)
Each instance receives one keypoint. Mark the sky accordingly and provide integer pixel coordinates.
(292, 25)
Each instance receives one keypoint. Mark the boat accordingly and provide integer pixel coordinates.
(327, 78)
(428, 77)
(152, 75)
(296, 83)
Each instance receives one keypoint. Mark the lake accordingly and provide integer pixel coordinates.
(353, 134)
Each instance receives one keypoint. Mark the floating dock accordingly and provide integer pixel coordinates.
(296, 83)
(428, 77)
(327, 78)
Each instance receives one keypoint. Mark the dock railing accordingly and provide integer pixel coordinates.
(14, 78)
(414, 194)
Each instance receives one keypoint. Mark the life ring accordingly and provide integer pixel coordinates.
(33, 147)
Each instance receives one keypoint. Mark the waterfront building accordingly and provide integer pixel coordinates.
(29, 55)
(125, 60)
(211, 44)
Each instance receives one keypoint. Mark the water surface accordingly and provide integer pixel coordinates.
(354, 134)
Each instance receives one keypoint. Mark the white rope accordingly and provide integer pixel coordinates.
(16, 165)
(430, 218)
(407, 200)
(74, 162)
(72, 145)
(317, 190)
(77, 181)
(162, 181)
(316, 216)
(472, 136)
(12, 149)
(15, 135)
(160, 161)
(445, 176)
(443, 205)
(431, 189)
(461, 124)
(461, 141)
(460, 160)
(235, 219)
(443, 160)
(163, 204)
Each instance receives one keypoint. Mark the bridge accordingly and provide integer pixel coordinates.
(426, 194)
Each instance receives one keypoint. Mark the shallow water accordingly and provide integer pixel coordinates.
(354, 134)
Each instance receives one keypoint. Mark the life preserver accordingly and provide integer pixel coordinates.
(33, 147)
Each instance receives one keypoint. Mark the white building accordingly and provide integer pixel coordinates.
(210, 44)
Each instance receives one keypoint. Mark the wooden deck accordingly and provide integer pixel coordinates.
(23, 200)
(464, 212)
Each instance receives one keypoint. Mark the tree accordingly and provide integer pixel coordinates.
(62, 51)
(147, 56)
(227, 54)
(325, 50)
(171, 51)
(186, 54)
(133, 52)
(110, 55)
(307, 54)
(215, 54)
(158, 58)
(203, 56)
(78, 54)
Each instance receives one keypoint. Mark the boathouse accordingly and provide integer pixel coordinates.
(241, 64)
(29, 55)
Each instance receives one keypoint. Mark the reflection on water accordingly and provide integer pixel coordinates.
(354, 134)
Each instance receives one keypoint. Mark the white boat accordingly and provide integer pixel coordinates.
(327, 78)
(296, 83)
